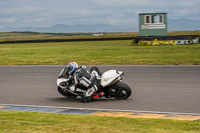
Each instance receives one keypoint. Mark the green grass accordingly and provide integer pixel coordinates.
(29, 122)
(17, 36)
(13, 36)
(197, 32)
(98, 52)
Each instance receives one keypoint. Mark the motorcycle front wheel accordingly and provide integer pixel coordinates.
(120, 90)
(66, 93)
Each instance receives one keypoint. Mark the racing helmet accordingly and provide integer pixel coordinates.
(71, 67)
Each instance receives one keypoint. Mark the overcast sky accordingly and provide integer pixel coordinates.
(123, 13)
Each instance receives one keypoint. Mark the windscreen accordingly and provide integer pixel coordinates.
(62, 73)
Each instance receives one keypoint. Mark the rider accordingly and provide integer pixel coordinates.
(80, 75)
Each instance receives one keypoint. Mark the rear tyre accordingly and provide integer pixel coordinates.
(65, 93)
(120, 90)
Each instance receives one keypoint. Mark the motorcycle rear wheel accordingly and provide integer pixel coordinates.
(120, 90)
(66, 94)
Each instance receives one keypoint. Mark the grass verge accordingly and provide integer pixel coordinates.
(119, 52)
(25, 122)
(22, 36)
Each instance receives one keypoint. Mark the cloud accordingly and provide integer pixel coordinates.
(117, 12)
(7, 20)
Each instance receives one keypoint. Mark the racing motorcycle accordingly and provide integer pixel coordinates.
(110, 83)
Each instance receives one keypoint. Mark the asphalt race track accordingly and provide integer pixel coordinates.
(155, 88)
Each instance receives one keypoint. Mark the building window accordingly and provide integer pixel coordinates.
(153, 19)
(160, 19)
(147, 19)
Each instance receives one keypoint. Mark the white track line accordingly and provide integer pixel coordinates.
(96, 109)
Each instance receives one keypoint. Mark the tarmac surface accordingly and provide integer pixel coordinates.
(154, 88)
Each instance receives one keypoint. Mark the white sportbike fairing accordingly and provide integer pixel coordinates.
(110, 77)
(110, 83)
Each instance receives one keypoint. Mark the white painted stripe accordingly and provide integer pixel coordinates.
(96, 109)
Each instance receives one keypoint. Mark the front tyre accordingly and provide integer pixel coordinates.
(120, 90)
(65, 93)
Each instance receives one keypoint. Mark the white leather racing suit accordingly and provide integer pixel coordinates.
(82, 76)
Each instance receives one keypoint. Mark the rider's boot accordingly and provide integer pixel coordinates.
(98, 95)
